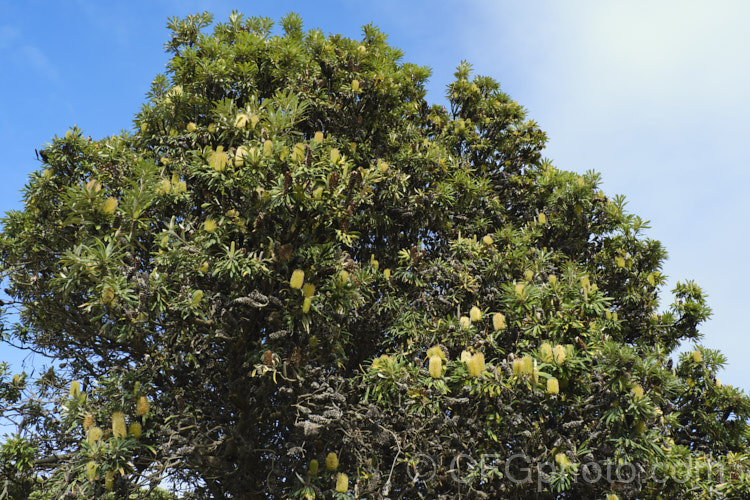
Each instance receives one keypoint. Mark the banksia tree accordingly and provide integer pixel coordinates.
(225, 258)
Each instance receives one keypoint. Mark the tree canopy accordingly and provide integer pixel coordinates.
(296, 278)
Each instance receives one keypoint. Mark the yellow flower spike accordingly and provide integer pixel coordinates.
(332, 462)
(612, 496)
(313, 467)
(542, 218)
(558, 353)
(75, 389)
(585, 283)
(528, 365)
(197, 297)
(487, 240)
(204, 267)
(93, 186)
(308, 290)
(498, 321)
(119, 429)
(342, 483)
(142, 406)
(109, 480)
(344, 276)
(519, 288)
(464, 322)
(267, 147)
(465, 356)
(191, 127)
(88, 421)
(218, 159)
(476, 365)
(110, 205)
(553, 386)
(475, 314)
(94, 435)
(135, 430)
(528, 275)
(355, 85)
(651, 280)
(306, 305)
(240, 121)
(254, 119)
(209, 225)
(620, 261)
(436, 367)
(614, 316)
(382, 166)
(298, 152)
(552, 279)
(545, 352)
(637, 392)
(335, 155)
(562, 460)
(608, 315)
(91, 470)
(164, 187)
(387, 274)
(640, 427)
(298, 277)
(436, 350)
(318, 136)
(517, 367)
(697, 356)
(239, 156)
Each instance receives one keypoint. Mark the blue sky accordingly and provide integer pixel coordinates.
(654, 95)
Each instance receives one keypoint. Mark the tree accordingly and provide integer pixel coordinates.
(297, 279)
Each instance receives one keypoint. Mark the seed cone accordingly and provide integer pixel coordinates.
(313, 467)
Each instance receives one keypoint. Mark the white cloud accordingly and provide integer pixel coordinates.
(25, 54)
(654, 96)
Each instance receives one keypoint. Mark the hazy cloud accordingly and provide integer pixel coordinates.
(653, 95)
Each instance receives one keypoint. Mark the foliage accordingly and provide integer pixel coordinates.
(300, 280)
